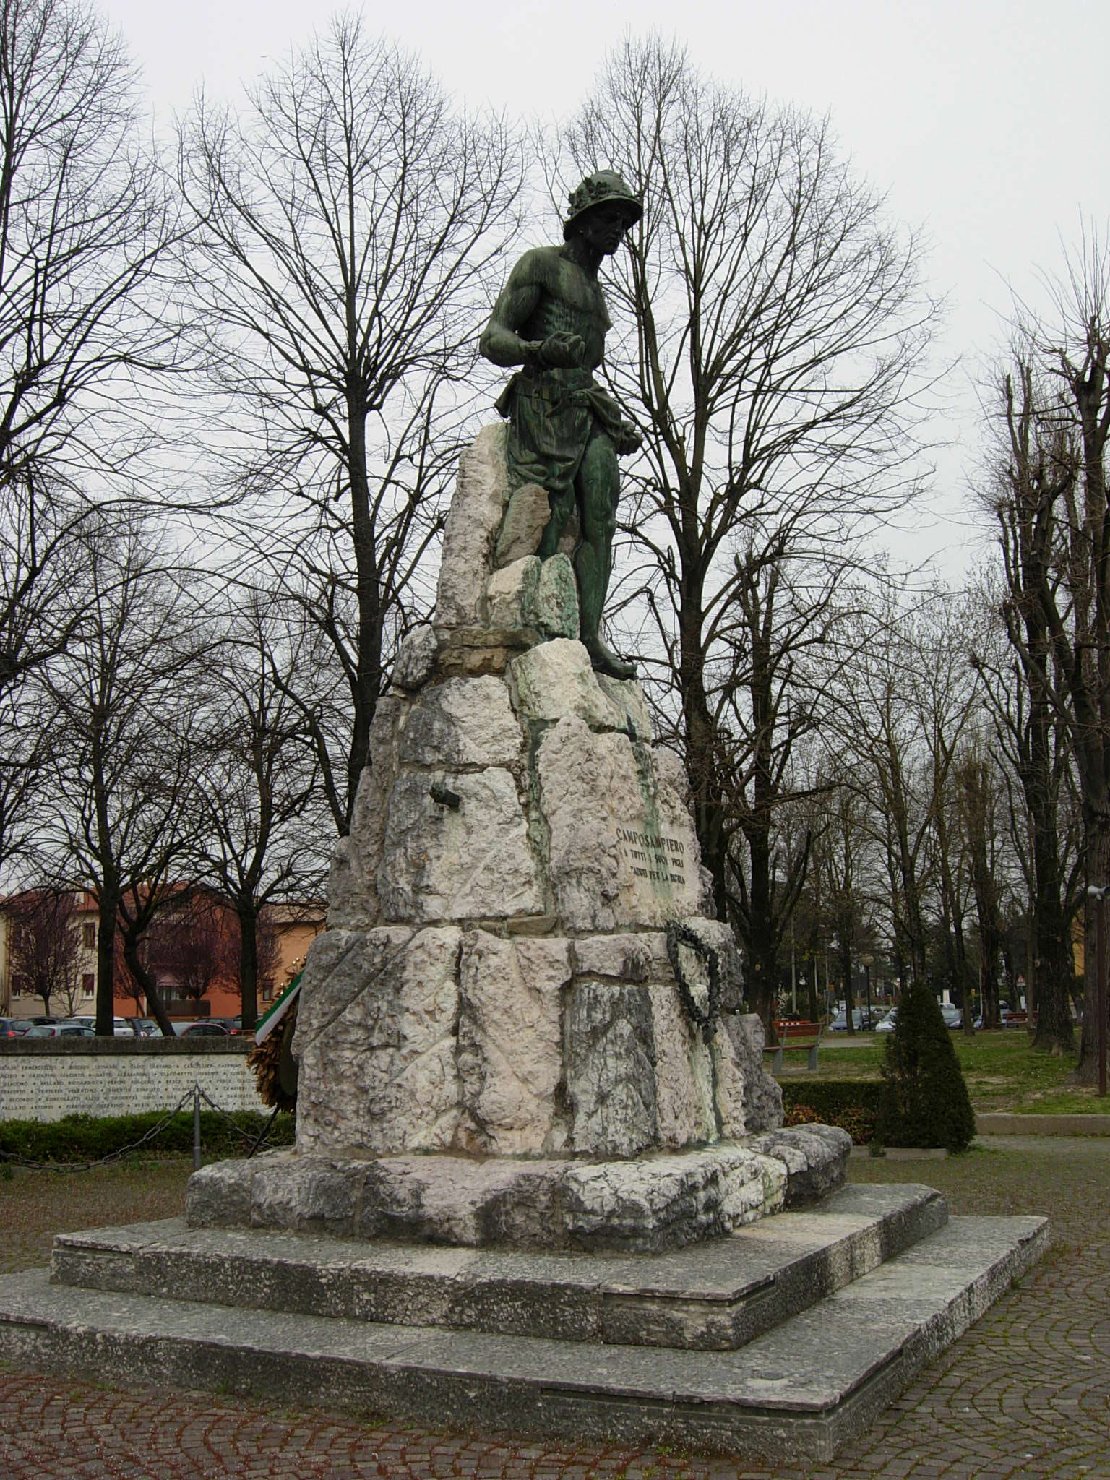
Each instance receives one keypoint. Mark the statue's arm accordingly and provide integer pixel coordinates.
(501, 339)
(501, 342)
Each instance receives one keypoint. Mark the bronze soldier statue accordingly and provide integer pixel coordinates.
(565, 431)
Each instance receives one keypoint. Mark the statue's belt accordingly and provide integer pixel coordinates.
(559, 387)
(573, 389)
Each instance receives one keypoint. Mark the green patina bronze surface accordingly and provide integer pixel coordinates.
(565, 432)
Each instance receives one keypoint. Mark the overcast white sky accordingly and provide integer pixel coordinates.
(984, 120)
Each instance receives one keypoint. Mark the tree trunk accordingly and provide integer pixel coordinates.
(847, 963)
(1098, 875)
(701, 741)
(1053, 967)
(1053, 964)
(368, 675)
(154, 1004)
(247, 912)
(814, 1005)
(108, 905)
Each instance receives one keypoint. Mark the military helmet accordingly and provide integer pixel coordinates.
(597, 190)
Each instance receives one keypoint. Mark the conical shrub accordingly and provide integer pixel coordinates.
(925, 1100)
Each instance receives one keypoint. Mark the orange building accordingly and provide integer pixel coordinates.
(191, 950)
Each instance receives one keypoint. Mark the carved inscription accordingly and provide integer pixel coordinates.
(45, 1087)
(655, 857)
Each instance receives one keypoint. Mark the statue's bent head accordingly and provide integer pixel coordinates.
(603, 187)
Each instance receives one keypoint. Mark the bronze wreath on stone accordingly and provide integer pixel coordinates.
(679, 935)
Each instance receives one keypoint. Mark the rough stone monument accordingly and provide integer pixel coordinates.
(540, 1178)
(520, 1026)
(495, 1044)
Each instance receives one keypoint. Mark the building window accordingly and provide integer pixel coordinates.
(88, 937)
(88, 984)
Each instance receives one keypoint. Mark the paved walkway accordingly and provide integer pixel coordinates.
(1025, 1393)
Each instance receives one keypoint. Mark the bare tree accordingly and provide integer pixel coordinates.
(122, 795)
(1017, 679)
(40, 552)
(189, 945)
(842, 844)
(951, 870)
(777, 329)
(902, 713)
(780, 644)
(40, 609)
(84, 222)
(45, 949)
(25, 744)
(345, 230)
(1056, 426)
(263, 824)
(978, 783)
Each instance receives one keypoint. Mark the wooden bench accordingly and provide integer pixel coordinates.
(795, 1035)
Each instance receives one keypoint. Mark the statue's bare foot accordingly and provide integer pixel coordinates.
(604, 660)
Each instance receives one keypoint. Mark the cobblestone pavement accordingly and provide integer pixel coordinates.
(1025, 1392)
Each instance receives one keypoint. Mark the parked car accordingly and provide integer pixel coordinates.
(64, 1029)
(13, 1027)
(1007, 1018)
(953, 1017)
(202, 1028)
(839, 1023)
(145, 1027)
(887, 1021)
(120, 1026)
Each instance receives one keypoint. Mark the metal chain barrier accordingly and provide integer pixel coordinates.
(11, 1159)
(191, 1098)
(254, 1140)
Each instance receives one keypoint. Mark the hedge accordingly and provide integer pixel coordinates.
(86, 1138)
(852, 1104)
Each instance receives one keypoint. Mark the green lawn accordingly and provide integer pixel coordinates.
(1002, 1070)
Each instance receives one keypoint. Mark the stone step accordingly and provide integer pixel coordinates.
(645, 1204)
(797, 1392)
(715, 1296)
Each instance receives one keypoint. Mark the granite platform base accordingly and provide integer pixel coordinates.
(779, 1342)
(647, 1204)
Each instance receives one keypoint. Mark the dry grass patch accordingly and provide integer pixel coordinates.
(35, 1205)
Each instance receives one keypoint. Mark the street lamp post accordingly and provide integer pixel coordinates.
(867, 986)
(1099, 895)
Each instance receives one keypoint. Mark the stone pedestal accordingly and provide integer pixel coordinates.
(521, 1039)
(498, 980)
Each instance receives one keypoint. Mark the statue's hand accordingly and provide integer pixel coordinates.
(562, 351)
(627, 440)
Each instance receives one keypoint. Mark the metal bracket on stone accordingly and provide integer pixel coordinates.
(679, 935)
(443, 796)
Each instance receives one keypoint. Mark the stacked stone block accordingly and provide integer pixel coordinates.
(497, 980)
